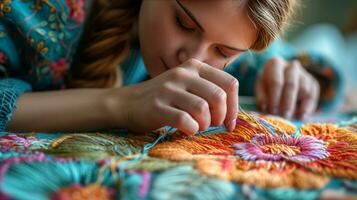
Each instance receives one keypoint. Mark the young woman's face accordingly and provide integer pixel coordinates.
(212, 31)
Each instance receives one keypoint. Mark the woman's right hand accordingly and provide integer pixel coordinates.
(190, 97)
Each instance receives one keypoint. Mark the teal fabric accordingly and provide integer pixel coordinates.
(10, 90)
(37, 44)
(38, 41)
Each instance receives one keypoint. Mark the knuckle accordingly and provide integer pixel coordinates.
(274, 61)
(305, 88)
(156, 104)
(219, 96)
(290, 85)
(293, 62)
(295, 67)
(276, 82)
(201, 107)
(195, 64)
(192, 62)
(165, 88)
(233, 84)
(179, 73)
(308, 95)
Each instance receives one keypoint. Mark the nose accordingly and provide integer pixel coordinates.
(198, 51)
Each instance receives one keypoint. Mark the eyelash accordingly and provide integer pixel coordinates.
(221, 54)
(180, 24)
(191, 30)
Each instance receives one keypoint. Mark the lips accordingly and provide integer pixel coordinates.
(165, 65)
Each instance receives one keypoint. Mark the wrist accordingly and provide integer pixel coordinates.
(115, 107)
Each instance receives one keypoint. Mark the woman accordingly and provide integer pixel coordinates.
(183, 45)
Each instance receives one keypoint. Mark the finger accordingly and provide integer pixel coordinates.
(290, 90)
(273, 77)
(178, 119)
(309, 98)
(215, 96)
(225, 81)
(260, 94)
(196, 106)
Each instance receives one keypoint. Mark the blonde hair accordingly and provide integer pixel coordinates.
(269, 17)
(111, 26)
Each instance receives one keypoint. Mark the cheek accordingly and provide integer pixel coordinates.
(156, 29)
(157, 33)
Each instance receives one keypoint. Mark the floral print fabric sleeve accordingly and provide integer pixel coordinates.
(10, 88)
(38, 40)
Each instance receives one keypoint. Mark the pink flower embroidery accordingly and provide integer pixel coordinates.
(3, 58)
(277, 148)
(76, 10)
(59, 68)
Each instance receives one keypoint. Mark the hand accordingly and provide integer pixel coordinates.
(286, 88)
(190, 97)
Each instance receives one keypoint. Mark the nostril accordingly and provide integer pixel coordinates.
(182, 56)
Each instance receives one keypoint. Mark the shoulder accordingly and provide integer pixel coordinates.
(49, 20)
(46, 32)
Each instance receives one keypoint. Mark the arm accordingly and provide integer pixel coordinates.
(183, 98)
(64, 110)
(248, 67)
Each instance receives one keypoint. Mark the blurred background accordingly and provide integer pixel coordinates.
(330, 27)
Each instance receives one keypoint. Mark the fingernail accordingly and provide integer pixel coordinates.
(232, 125)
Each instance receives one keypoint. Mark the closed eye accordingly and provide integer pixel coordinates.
(182, 26)
(221, 53)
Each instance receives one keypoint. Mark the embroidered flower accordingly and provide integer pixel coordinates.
(279, 148)
(76, 10)
(5, 7)
(76, 191)
(270, 154)
(59, 68)
(21, 143)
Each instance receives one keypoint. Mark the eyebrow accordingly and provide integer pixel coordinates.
(189, 13)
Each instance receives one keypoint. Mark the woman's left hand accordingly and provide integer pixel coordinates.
(286, 88)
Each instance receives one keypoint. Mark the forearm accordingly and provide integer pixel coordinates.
(65, 110)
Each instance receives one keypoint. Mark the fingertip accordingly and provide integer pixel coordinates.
(190, 129)
(231, 125)
(304, 117)
(287, 114)
(195, 128)
(203, 127)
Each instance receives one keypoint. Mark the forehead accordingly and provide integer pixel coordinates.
(224, 21)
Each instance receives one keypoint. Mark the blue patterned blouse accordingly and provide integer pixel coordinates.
(38, 40)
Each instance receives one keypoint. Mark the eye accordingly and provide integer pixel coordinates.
(220, 53)
(182, 26)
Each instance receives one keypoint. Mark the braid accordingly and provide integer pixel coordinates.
(105, 43)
